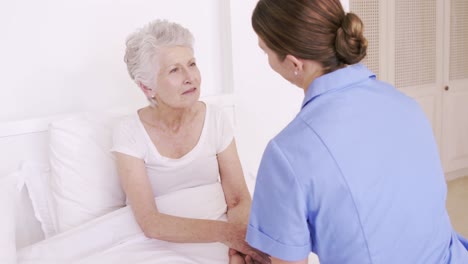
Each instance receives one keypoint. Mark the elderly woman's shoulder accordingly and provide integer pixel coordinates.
(126, 122)
(221, 115)
(216, 109)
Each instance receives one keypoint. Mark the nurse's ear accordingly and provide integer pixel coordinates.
(303, 71)
(294, 63)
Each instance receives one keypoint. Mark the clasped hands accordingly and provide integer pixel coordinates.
(235, 240)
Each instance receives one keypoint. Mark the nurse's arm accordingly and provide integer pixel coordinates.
(279, 261)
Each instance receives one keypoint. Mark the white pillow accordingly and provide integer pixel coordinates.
(36, 177)
(84, 181)
(7, 220)
(21, 222)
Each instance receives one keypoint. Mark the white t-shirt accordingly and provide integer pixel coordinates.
(197, 167)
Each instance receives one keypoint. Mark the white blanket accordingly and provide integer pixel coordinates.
(117, 238)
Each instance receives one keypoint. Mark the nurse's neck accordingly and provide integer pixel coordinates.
(311, 70)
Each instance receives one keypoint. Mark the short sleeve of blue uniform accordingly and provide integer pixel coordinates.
(278, 221)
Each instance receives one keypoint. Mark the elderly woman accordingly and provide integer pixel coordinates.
(179, 143)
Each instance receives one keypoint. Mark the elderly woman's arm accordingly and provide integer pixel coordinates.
(169, 228)
(154, 224)
(235, 189)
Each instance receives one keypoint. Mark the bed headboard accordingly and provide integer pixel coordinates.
(20, 140)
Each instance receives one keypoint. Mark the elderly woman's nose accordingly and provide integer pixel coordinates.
(190, 75)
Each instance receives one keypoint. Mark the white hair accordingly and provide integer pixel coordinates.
(141, 54)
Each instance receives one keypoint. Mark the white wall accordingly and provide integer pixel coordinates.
(265, 102)
(345, 4)
(61, 56)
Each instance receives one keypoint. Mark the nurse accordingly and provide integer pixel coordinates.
(356, 177)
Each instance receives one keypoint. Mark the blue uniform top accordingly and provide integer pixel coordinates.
(355, 178)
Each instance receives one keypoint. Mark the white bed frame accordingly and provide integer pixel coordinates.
(25, 139)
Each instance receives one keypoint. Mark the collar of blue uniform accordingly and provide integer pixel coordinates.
(337, 80)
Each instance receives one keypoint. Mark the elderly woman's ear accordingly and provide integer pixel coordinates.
(146, 90)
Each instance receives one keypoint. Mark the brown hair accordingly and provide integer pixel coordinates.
(317, 30)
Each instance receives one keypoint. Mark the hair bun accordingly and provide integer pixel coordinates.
(350, 43)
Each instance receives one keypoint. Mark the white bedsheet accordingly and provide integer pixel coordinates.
(117, 238)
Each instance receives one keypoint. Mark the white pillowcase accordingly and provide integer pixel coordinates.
(84, 182)
(36, 177)
(7, 220)
(19, 225)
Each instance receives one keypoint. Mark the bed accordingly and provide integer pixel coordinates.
(62, 202)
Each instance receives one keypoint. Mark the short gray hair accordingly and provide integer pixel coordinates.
(141, 54)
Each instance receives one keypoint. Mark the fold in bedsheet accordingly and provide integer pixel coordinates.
(117, 238)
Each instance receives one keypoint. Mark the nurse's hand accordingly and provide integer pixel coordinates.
(235, 239)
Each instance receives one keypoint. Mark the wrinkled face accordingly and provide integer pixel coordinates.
(283, 68)
(178, 79)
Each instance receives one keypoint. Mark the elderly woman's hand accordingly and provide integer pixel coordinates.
(235, 239)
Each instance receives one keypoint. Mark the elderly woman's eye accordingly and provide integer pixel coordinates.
(193, 64)
(174, 70)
